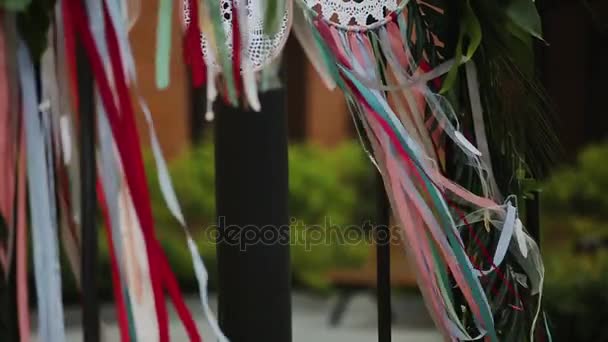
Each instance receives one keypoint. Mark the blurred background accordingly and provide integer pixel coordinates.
(330, 176)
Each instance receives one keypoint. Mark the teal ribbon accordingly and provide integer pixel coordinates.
(163, 43)
(215, 14)
(446, 219)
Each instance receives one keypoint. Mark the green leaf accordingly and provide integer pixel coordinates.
(524, 14)
(14, 5)
(450, 78)
(471, 29)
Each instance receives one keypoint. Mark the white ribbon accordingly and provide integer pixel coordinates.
(250, 87)
(168, 192)
(479, 126)
(42, 203)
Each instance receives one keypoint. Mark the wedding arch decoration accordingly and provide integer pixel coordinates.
(442, 93)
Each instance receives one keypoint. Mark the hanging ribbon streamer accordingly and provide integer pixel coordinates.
(306, 38)
(8, 150)
(117, 285)
(13, 207)
(42, 205)
(192, 49)
(249, 82)
(173, 205)
(108, 97)
(22, 281)
(479, 123)
(170, 198)
(131, 159)
(390, 71)
(163, 43)
(111, 180)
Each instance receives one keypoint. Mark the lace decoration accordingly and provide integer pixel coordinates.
(262, 48)
(348, 13)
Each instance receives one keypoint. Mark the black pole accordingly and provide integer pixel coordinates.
(198, 107)
(89, 261)
(9, 324)
(253, 240)
(383, 267)
(533, 215)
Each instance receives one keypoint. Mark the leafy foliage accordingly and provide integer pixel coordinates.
(575, 210)
(575, 295)
(581, 189)
(329, 192)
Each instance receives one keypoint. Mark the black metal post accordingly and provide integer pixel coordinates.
(89, 261)
(9, 324)
(198, 106)
(253, 240)
(383, 268)
(533, 215)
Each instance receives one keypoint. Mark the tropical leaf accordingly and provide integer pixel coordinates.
(470, 30)
(524, 14)
(520, 122)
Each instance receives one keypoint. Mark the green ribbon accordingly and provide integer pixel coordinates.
(163, 43)
(215, 14)
(132, 331)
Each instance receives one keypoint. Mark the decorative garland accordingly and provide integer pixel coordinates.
(443, 94)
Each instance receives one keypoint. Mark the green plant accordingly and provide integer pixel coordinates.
(575, 207)
(329, 190)
(576, 299)
(581, 189)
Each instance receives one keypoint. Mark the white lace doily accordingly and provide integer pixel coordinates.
(354, 13)
(262, 48)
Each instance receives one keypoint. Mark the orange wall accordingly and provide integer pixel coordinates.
(327, 121)
(170, 106)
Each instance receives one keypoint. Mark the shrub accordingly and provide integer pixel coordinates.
(575, 207)
(328, 189)
(576, 300)
(581, 189)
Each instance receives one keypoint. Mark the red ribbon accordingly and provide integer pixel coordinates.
(193, 54)
(236, 50)
(123, 127)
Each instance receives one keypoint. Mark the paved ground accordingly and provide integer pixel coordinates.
(310, 321)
